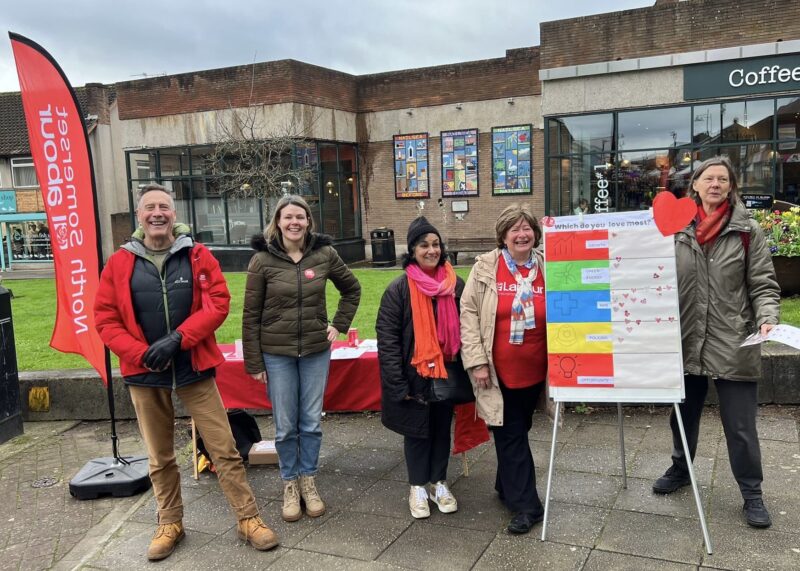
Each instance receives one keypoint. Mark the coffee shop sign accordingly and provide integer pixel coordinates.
(767, 74)
(741, 77)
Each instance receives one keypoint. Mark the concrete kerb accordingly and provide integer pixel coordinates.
(79, 393)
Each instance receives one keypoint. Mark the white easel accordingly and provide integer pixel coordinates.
(698, 502)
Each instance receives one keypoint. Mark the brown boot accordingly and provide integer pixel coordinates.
(291, 501)
(254, 531)
(315, 507)
(164, 541)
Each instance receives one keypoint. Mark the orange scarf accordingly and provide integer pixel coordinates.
(428, 358)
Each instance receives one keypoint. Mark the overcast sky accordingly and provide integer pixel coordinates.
(118, 40)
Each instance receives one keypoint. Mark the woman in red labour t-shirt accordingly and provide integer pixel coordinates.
(504, 349)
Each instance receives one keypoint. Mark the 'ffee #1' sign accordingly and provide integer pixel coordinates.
(613, 328)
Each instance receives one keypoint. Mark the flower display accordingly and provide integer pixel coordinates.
(781, 229)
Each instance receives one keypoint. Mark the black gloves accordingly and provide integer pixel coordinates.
(160, 352)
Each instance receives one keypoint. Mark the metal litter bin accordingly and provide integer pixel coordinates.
(10, 414)
(383, 252)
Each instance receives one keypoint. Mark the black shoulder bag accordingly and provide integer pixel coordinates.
(455, 389)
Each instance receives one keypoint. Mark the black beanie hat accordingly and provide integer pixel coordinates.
(419, 227)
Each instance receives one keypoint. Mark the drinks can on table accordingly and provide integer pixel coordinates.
(352, 337)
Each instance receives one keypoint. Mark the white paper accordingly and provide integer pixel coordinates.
(238, 353)
(786, 334)
(346, 353)
(369, 345)
(263, 446)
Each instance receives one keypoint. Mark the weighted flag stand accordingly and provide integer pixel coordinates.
(118, 476)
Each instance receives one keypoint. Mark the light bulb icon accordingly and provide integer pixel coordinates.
(568, 366)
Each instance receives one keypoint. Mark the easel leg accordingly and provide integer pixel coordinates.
(550, 470)
(690, 465)
(622, 447)
(465, 464)
(194, 451)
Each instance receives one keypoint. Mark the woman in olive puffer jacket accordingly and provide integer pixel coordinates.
(727, 290)
(286, 338)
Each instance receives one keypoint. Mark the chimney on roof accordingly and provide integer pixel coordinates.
(97, 102)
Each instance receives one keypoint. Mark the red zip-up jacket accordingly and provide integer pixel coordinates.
(117, 325)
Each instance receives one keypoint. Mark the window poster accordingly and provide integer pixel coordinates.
(459, 163)
(306, 155)
(613, 327)
(511, 160)
(411, 166)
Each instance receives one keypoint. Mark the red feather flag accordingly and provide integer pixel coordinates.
(60, 149)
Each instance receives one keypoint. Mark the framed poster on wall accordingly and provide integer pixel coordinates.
(459, 163)
(411, 166)
(511, 160)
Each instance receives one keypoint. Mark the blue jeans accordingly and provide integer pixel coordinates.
(295, 386)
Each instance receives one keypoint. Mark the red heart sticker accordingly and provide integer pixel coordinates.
(309, 273)
(672, 214)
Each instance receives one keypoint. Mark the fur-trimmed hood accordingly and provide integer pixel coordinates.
(315, 241)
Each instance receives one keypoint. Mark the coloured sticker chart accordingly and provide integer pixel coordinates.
(613, 328)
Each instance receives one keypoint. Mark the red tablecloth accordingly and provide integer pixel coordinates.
(353, 384)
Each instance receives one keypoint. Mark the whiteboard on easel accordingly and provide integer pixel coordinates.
(613, 322)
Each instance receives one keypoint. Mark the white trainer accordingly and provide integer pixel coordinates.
(418, 502)
(443, 497)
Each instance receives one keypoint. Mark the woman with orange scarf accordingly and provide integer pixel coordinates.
(418, 333)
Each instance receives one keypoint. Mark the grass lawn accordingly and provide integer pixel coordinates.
(34, 309)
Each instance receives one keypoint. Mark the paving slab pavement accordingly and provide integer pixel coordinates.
(595, 523)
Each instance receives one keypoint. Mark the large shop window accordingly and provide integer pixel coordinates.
(584, 134)
(329, 184)
(650, 150)
(654, 128)
(30, 241)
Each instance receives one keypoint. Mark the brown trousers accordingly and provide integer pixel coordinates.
(156, 416)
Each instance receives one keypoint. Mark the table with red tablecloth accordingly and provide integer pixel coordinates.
(353, 384)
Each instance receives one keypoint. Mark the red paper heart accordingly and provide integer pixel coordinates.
(672, 214)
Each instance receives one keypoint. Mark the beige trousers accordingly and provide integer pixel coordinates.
(156, 416)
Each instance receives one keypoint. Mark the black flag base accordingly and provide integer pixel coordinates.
(118, 477)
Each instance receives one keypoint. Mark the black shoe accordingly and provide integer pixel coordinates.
(756, 514)
(672, 480)
(523, 522)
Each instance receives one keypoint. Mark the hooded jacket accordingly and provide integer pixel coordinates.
(724, 297)
(128, 326)
(284, 301)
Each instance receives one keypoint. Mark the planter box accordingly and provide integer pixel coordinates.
(787, 269)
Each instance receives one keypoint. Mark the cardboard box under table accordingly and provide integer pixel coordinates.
(263, 453)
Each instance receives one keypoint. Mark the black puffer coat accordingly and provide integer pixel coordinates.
(399, 378)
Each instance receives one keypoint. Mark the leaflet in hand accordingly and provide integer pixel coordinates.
(786, 334)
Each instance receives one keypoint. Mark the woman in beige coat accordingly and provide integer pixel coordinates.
(504, 349)
(727, 290)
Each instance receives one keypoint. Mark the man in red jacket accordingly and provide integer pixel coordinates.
(161, 298)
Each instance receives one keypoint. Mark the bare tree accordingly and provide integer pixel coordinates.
(252, 161)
